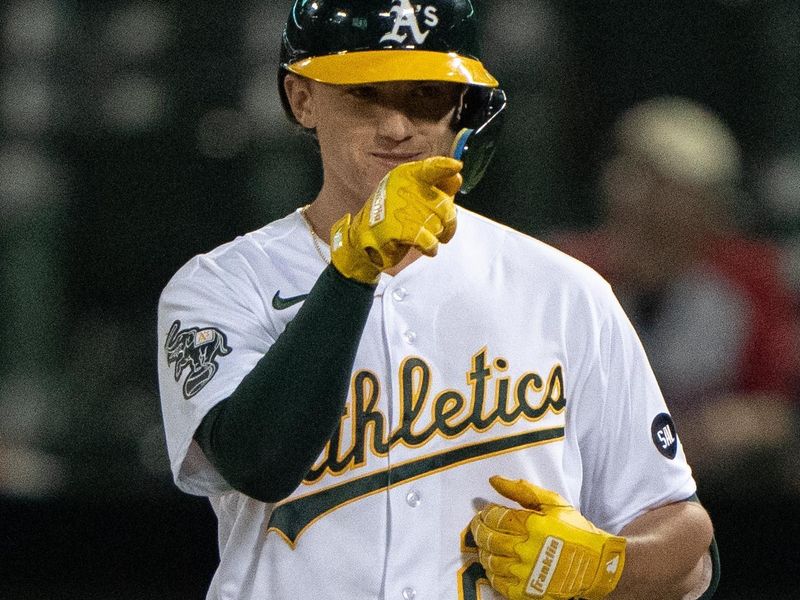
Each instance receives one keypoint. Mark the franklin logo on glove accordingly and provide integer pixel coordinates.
(545, 567)
(546, 549)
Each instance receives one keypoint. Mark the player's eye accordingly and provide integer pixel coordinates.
(363, 92)
(428, 91)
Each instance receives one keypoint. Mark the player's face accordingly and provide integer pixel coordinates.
(366, 130)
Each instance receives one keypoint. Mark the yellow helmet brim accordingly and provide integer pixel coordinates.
(378, 66)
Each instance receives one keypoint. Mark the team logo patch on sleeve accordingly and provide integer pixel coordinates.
(664, 436)
(197, 350)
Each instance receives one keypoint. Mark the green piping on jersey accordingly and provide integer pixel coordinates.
(290, 519)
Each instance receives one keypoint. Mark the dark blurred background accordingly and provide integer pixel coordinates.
(135, 134)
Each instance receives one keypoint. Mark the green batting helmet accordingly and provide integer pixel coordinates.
(352, 42)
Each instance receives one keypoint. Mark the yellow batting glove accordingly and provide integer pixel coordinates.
(413, 206)
(547, 550)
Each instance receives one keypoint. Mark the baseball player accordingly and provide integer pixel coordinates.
(384, 395)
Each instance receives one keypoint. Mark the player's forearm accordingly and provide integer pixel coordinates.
(665, 549)
(267, 434)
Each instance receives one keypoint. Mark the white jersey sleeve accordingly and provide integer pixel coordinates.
(632, 459)
(210, 335)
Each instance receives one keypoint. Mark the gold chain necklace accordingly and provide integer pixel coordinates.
(314, 237)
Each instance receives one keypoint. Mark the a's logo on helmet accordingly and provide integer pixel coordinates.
(405, 18)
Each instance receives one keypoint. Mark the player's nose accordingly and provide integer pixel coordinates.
(395, 124)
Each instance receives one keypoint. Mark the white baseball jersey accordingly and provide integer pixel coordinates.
(499, 356)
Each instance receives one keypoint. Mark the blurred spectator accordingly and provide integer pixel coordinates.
(710, 304)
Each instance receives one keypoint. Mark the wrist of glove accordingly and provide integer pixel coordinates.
(545, 550)
(413, 207)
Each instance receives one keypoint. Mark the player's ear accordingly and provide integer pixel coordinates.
(299, 92)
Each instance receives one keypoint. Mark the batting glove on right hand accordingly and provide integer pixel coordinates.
(546, 551)
(413, 206)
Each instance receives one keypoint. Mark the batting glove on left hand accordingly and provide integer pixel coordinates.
(547, 550)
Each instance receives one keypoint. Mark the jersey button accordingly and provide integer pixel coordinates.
(409, 593)
(410, 336)
(413, 499)
(400, 294)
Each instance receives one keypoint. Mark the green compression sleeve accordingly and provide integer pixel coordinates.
(264, 438)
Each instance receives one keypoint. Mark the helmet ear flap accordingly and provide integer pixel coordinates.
(482, 115)
(480, 104)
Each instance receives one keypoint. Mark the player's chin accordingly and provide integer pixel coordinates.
(363, 187)
(371, 178)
